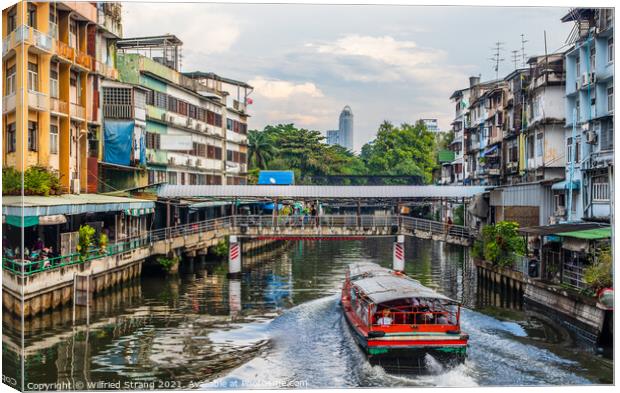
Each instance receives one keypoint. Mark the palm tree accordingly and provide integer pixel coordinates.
(260, 148)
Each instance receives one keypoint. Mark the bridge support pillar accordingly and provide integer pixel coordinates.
(234, 256)
(398, 254)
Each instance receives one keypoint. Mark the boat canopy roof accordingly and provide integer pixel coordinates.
(383, 285)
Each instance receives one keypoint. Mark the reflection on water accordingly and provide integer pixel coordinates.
(279, 325)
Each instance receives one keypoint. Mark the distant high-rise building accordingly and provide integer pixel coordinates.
(333, 137)
(346, 128)
(431, 124)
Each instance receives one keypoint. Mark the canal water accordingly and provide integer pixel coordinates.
(280, 325)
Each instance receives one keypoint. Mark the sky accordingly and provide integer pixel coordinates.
(306, 62)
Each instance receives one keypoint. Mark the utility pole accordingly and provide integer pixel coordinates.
(496, 58)
(523, 41)
(515, 57)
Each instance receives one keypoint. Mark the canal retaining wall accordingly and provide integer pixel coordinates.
(577, 312)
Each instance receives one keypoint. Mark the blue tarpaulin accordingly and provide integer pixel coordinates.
(117, 141)
(489, 151)
(283, 178)
(142, 149)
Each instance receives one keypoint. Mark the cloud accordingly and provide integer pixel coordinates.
(203, 28)
(281, 89)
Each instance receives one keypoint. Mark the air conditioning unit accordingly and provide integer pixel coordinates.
(592, 77)
(198, 127)
(170, 119)
(583, 81)
(164, 116)
(189, 162)
(171, 161)
(190, 122)
(198, 163)
(591, 137)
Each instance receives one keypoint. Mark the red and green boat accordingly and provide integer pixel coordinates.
(398, 321)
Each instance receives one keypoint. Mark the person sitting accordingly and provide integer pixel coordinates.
(385, 320)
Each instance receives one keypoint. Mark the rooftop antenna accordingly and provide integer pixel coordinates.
(515, 57)
(499, 46)
(523, 41)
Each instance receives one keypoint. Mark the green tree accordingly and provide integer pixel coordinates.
(260, 148)
(405, 150)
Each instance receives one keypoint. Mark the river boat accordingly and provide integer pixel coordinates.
(397, 321)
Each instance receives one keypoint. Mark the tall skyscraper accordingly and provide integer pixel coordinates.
(346, 128)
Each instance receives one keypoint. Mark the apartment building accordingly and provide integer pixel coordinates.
(235, 97)
(544, 132)
(55, 56)
(177, 129)
(589, 111)
(461, 120)
(513, 143)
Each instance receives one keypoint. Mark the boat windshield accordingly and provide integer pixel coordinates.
(416, 311)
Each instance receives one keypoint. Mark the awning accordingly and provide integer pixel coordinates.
(557, 229)
(16, 221)
(69, 204)
(139, 212)
(566, 185)
(488, 151)
(54, 219)
(589, 234)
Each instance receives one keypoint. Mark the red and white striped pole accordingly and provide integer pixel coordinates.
(234, 256)
(398, 255)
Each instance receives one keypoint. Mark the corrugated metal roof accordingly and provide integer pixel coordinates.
(317, 192)
(69, 204)
(558, 228)
(589, 234)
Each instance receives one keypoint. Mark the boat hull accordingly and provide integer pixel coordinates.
(413, 354)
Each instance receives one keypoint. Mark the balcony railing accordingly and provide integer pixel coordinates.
(118, 111)
(110, 23)
(38, 101)
(8, 103)
(240, 106)
(106, 70)
(58, 106)
(85, 61)
(78, 111)
(64, 50)
(26, 34)
(53, 29)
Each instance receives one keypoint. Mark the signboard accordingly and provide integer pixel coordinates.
(176, 142)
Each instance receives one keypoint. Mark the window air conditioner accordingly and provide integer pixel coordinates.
(591, 137)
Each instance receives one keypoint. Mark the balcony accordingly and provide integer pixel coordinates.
(78, 111)
(65, 51)
(38, 101)
(85, 61)
(239, 106)
(111, 23)
(58, 106)
(106, 70)
(8, 103)
(28, 35)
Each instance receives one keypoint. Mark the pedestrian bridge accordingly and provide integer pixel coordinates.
(34, 286)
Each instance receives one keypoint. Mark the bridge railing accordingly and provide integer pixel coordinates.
(412, 224)
(169, 233)
(306, 221)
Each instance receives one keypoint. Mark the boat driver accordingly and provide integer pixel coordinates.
(385, 320)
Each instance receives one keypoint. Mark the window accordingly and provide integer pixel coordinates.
(172, 104)
(116, 96)
(33, 77)
(153, 140)
(578, 109)
(172, 178)
(160, 100)
(54, 80)
(530, 146)
(560, 201)
(610, 49)
(229, 124)
(539, 144)
(569, 150)
(229, 155)
(32, 136)
(53, 139)
(73, 33)
(10, 80)
(600, 189)
(11, 138)
(32, 15)
(578, 66)
(11, 22)
(610, 98)
(593, 56)
(182, 178)
(607, 135)
(218, 153)
(183, 108)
